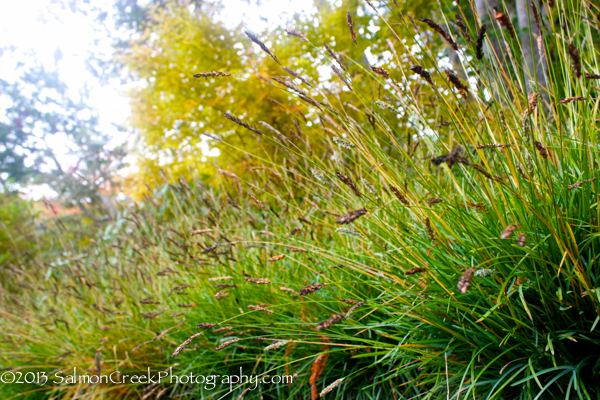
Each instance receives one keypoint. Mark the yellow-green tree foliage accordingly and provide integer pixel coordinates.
(174, 113)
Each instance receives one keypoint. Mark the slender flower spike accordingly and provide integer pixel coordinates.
(508, 231)
(479, 45)
(299, 35)
(541, 149)
(211, 74)
(575, 61)
(456, 82)
(567, 100)
(442, 32)
(399, 195)
(346, 179)
(381, 72)
(576, 185)
(415, 270)
(184, 344)
(225, 344)
(332, 320)
(242, 123)
(463, 28)
(329, 388)
(504, 21)
(262, 45)
(465, 280)
(417, 69)
(311, 288)
(351, 27)
(351, 216)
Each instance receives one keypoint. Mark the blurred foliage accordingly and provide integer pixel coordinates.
(47, 137)
(177, 118)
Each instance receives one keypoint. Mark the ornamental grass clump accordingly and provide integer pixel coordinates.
(492, 292)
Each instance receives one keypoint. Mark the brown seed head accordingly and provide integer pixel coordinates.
(417, 69)
(479, 45)
(351, 27)
(258, 281)
(211, 74)
(205, 325)
(346, 179)
(575, 61)
(442, 32)
(299, 35)
(504, 21)
(241, 123)
(508, 231)
(399, 195)
(225, 344)
(465, 280)
(332, 320)
(463, 27)
(521, 240)
(351, 216)
(311, 288)
(415, 270)
(262, 45)
(541, 149)
(381, 72)
(184, 344)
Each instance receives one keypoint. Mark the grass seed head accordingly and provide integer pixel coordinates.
(504, 21)
(258, 281)
(567, 100)
(185, 344)
(441, 31)
(381, 72)
(241, 123)
(332, 386)
(422, 72)
(415, 270)
(261, 45)
(463, 27)
(225, 344)
(297, 34)
(259, 308)
(575, 60)
(277, 345)
(576, 185)
(465, 280)
(330, 321)
(346, 179)
(219, 278)
(351, 27)
(351, 216)
(479, 45)
(455, 81)
(276, 258)
(521, 240)
(541, 149)
(311, 288)
(211, 74)
(399, 195)
(508, 232)
(221, 295)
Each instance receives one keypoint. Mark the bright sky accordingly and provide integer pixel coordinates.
(30, 27)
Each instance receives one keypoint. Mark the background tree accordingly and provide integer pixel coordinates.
(39, 116)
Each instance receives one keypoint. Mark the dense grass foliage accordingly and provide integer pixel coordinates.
(454, 224)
